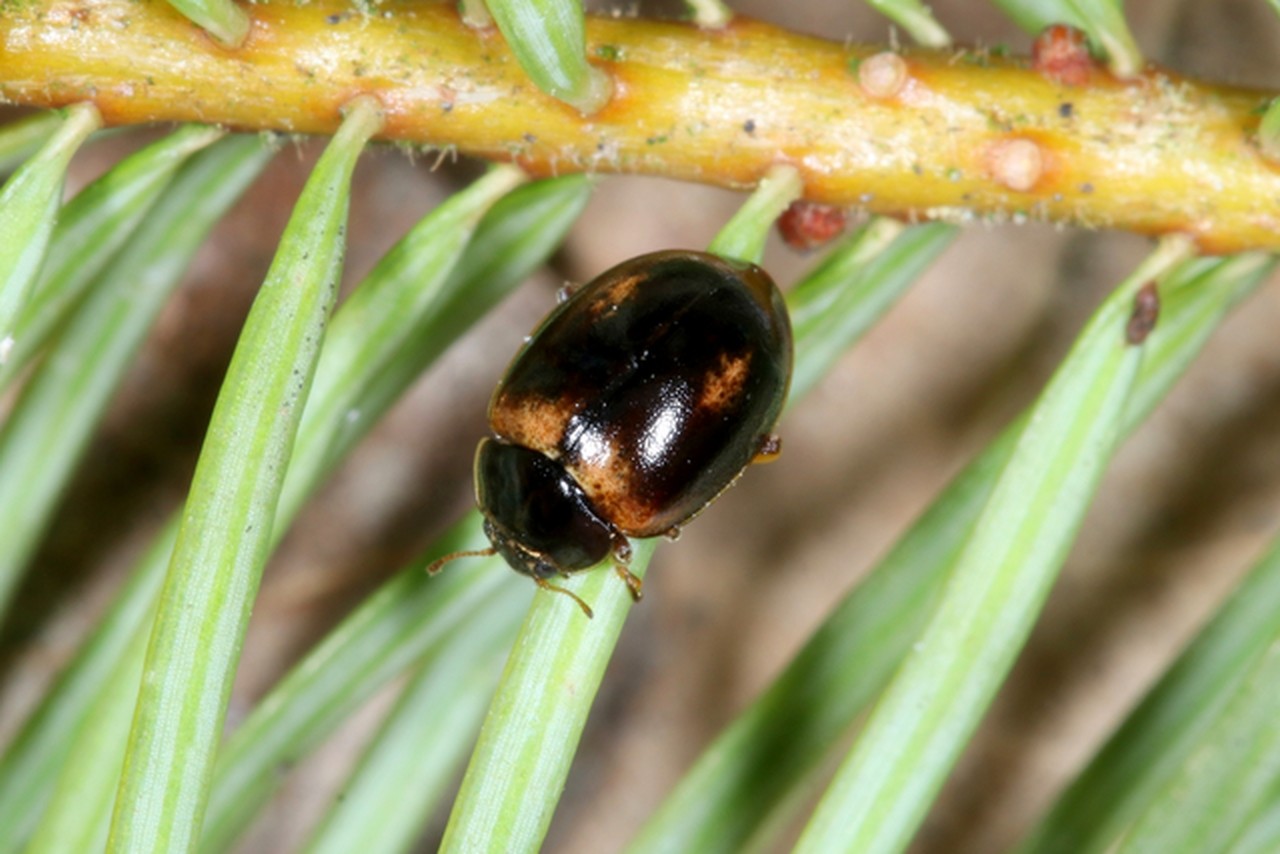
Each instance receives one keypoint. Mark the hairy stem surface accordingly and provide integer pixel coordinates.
(965, 133)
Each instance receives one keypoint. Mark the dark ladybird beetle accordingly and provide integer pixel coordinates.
(637, 401)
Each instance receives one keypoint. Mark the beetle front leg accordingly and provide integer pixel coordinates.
(621, 561)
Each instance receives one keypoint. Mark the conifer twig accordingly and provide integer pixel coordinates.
(965, 134)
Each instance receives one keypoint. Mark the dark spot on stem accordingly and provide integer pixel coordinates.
(1146, 310)
(749, 126)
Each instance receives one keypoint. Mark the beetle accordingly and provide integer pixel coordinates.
(638, 400)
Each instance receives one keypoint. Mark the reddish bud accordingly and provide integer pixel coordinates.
(1061, 55)
(805, 225)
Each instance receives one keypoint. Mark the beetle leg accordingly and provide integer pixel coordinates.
(621, 559)
(546, 585)
(634, 582)
(768, 449)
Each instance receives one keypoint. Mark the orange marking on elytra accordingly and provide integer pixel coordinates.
(723, 386)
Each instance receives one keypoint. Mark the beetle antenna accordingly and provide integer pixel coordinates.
(547, 585)
(438, 564)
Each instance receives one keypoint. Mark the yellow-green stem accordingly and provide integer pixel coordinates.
(968, 134)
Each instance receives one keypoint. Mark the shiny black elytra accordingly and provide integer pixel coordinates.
(638, 400)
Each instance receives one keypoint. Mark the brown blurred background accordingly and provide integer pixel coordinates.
(1188, 504)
